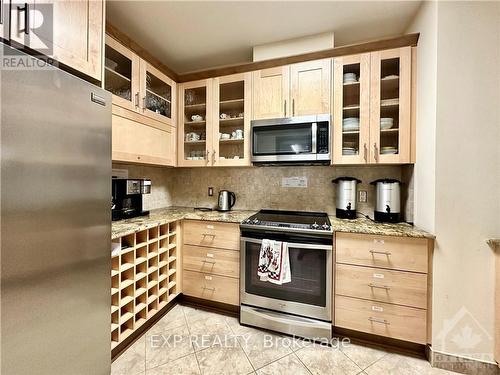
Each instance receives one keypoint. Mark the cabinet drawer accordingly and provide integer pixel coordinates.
(211, 260)
(212, 234)
(400, 253)
(402, 288)
(211, 287)
(398, 322)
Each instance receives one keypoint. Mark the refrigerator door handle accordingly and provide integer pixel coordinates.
(97, 99)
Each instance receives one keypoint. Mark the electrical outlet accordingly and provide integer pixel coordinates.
(363, 196)
(210, 191)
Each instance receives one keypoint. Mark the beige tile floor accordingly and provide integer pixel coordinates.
(193, 341)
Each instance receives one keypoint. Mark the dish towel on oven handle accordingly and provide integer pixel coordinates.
(274, 262)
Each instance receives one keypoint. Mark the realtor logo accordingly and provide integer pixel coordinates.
(32, 26)
(462, 335)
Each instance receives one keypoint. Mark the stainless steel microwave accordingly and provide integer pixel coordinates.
(293, 140)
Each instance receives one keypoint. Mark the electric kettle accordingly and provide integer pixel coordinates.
(227, 199)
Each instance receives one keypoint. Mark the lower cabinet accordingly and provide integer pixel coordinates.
(211, 261)
(382, 285)
(136, 142)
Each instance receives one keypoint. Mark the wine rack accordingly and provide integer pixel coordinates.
(144, 277)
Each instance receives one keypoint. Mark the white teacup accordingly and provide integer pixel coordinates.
(196, 117)
(224, 116)
(238, 134)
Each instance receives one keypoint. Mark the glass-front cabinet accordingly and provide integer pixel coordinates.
(390, 106)
(231, 126)
(215, 122)
(372, 100)
(351, 113)
(121, 74)
(138, 86)
(158, 94)
(195, 123)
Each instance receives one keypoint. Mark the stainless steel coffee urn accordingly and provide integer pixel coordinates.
(388, 204)
(345, 199)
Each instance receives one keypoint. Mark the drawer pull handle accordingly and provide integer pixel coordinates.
(205, 288)
(208, 235)
(208, 261)
(381, 321)
(380, 252)
(371, 285)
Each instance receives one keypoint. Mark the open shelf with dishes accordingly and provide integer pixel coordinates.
(143, 265)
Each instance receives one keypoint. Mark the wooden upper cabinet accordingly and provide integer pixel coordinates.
(271, 91)
(121, 75)
(372, 108)
(310, 87)
(195, 123)
(138, 143)
(73, 38)
(351, 109)
(157, 92)
(390, 106)
(231, 118)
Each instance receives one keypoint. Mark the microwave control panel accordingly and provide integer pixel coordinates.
(323, 139)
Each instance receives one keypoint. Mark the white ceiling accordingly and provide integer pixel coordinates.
(189, 35)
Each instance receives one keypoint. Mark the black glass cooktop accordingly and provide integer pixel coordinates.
(290, 219)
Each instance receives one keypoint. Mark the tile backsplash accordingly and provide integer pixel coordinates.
(261, 187)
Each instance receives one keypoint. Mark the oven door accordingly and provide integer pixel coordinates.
(274, 141)
(309, 294)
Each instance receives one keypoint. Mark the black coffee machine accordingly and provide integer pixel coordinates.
(127, 197)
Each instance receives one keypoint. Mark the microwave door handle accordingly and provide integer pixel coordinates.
(314, 141)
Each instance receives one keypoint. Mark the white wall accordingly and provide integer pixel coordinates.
(290, 47)
(424, 171)
(467, 163)
(463, 105)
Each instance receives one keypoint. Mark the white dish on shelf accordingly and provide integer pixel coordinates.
(388, 150)
(350, 128)
(390, 76)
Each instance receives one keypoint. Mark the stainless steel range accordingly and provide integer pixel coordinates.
(303, 306)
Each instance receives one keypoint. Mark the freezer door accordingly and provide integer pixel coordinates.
(55, 224)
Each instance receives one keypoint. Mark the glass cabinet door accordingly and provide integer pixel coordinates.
(195, 126)
(158, 94)
(390, 113)
(231, 127)
(121, 74)
(351, 113)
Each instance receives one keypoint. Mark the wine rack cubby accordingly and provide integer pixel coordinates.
(144, 277)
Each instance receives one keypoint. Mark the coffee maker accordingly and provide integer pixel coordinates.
(127, 197)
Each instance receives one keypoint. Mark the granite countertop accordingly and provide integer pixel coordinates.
(167, 215)
(367, 226)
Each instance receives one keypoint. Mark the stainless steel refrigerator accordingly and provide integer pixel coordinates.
(55, 224)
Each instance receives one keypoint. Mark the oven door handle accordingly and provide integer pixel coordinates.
(292, 244)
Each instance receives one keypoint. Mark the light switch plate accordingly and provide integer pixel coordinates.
(363, 196)
(299, 182)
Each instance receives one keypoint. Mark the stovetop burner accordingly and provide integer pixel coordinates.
(293, 220)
